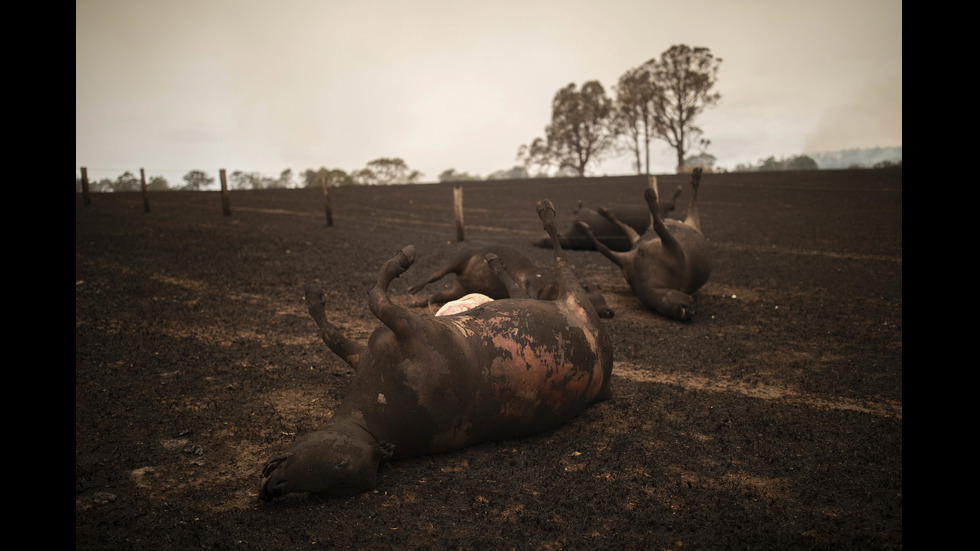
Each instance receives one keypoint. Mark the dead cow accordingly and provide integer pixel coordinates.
(474, 275)
(605, 231)
(667, 265)
(427, 384)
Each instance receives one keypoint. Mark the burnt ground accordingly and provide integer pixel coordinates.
(773, 420)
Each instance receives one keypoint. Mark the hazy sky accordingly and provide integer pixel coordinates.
(261, 86)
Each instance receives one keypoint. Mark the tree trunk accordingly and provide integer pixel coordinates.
(636, 151)
(646, 139)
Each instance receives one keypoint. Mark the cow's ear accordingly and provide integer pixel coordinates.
(384, 449)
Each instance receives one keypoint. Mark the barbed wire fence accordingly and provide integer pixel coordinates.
(196, 180)
(100, 177)
(243, 181)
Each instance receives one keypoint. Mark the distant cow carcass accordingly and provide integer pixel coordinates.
(664, 267)
(475, 275)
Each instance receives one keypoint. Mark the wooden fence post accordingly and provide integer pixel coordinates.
(85, 198)
(458, 210)
(652, 184)
(325, 180)
(146, 199)
(225, 202)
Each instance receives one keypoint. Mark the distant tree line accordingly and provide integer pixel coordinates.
(876, 157)
(195, 180)
(769, 164)
(514, 173)
(125, 182)
(394, 171)
(382, 171)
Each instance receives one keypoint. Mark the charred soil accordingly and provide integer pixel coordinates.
(772, 420)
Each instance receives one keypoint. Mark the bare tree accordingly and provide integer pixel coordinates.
(241, 180)
(285, 179)
(384, 171)
(157, 183)
(685, 78)
(126, 182)
(635, 107)
(516, 172)
(582, 130)
(337, 177)
(451, 175)
(197, 180)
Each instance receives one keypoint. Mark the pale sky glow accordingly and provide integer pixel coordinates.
(261, 86)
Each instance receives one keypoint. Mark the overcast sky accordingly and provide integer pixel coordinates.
(261, 86)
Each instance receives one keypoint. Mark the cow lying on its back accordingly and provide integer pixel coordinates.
(605, 231)
(427, 384)
(665, 266)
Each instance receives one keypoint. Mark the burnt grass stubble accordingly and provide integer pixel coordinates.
(773, 420)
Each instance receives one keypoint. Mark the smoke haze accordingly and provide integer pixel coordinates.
(255, 86)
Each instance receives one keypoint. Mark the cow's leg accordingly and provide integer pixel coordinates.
(567, 283)
(457, 291)
(348, 350)
(618, 258)
(440, 297)
(436, 276)
(669, 241)
(400, 320)
(693, 218)
(631, 234)
(670, 206)
(668, 302)
(497, 267)
(570, 291)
